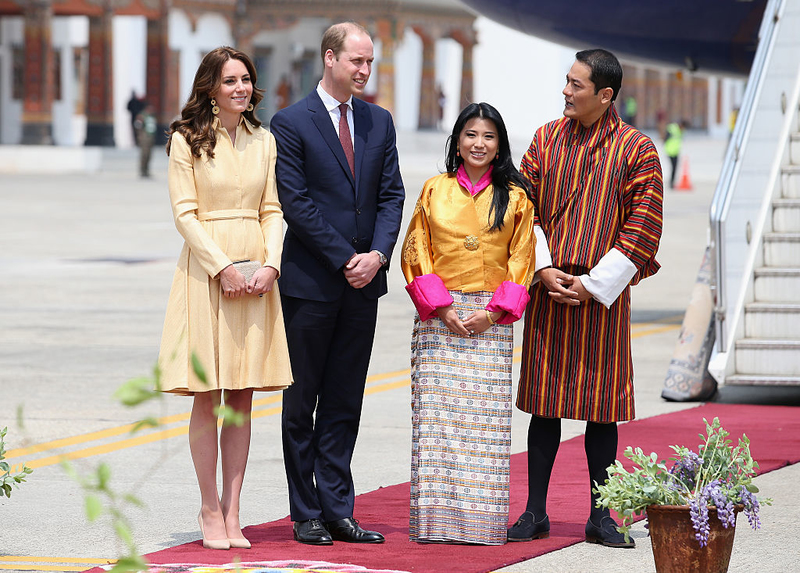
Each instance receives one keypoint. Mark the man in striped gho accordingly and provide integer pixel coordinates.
(597, 192)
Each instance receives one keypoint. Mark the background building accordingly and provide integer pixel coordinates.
(69, 68)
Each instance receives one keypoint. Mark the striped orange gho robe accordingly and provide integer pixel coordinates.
(594, 189)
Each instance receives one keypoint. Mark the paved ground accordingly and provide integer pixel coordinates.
(85, 269)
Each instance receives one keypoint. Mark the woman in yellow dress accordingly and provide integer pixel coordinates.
(468, 257)
(225, 205)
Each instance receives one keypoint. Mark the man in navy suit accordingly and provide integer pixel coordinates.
(342, 196)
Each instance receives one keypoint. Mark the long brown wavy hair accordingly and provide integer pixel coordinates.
(196, 117)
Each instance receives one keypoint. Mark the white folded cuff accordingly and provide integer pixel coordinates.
(543, 258)
(609, 277)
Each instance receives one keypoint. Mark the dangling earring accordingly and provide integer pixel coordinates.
(458, 152)
(250, 107)
(214, 106)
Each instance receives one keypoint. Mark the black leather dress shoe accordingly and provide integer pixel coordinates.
(348, 530)
(311, 532)
(606, 534)
(526, 529)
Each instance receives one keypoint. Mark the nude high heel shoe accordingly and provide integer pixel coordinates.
(211, 543)
(240, 543)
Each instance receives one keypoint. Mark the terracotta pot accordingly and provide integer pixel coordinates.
(677, 550)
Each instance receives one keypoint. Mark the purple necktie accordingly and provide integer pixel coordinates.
(345, 139)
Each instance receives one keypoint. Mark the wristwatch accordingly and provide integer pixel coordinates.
(381, 257)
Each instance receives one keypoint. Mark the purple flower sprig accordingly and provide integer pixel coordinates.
(698, 510)
(718, 475)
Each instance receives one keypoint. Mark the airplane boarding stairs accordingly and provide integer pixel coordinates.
(769, 351)
(755, 219)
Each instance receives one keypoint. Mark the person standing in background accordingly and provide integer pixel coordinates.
(145, 127)
(673, 143)
(134, 106)
(631, 109)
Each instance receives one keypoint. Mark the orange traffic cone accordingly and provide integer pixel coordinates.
(684, 184)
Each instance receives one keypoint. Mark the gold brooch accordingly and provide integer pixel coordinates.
(471, 242)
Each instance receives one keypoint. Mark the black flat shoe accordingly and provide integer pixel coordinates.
(348, 530)
(526, 529)
(606, 534)
(311, 532)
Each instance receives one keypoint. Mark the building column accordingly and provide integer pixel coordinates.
(100, 100)
(428, 104)
(387, 34)
(467, 39)
(160, 73)
(38, 82)
(700, 91)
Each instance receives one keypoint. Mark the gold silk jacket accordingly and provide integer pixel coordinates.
(449, 236)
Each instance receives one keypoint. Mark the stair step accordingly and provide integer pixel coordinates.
(777, 284)
(768, 357)
(794, 149)
(786, 215)
(790, 181)
(782, 249)
(772, 320)
(759, 380)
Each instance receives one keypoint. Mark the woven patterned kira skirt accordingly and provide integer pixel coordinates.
(461, 429)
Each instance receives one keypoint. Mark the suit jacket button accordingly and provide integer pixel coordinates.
(358, 211)
(355, 240)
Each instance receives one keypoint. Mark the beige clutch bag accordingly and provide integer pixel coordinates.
(247, 268)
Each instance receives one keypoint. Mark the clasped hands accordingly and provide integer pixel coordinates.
(563, 288)
(362, 268)
(234, 285)
(475, 323)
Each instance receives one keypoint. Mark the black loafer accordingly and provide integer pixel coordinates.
(348, 530)
(606, 534)
(527, 529)
(311, 532)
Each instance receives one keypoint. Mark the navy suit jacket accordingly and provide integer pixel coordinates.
(331, 214)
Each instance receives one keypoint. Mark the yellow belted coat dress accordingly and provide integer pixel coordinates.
(227, 209)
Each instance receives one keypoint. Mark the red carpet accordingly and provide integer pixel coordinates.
(774, 432)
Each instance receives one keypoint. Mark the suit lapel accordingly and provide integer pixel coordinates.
(322, 120)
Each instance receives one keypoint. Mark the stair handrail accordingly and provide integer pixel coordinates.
(723, 193)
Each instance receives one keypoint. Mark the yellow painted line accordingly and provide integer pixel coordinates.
(21, 567)
(267, 412)
(657, 330)
(86, 560)
(378, 377)
(90, 437)
(385, 387)
(111, 447)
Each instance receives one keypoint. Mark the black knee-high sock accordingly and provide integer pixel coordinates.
(601, 451)
(544, 437)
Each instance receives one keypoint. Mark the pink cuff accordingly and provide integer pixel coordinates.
(428, 293)
(511, 298)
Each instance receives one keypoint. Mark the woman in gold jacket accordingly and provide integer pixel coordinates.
(468, 257)
(225, 204)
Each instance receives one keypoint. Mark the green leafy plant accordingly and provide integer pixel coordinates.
(9, 480)
(100, 497)
(717, 475)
